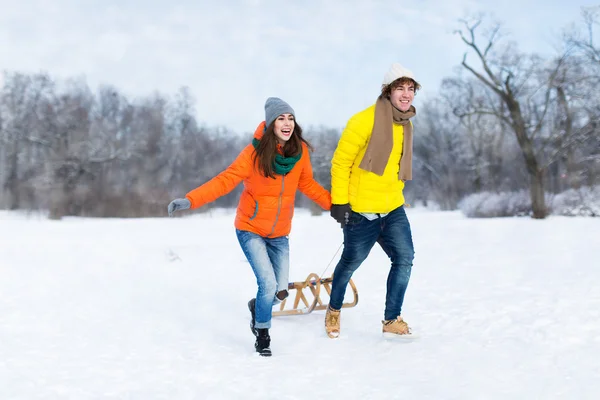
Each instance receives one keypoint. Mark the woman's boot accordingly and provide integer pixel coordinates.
(263, 342)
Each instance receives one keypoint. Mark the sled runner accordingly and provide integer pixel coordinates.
(309, 293)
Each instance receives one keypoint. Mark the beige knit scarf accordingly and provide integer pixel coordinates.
(381, 142)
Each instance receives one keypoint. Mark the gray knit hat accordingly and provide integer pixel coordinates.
(274, 107)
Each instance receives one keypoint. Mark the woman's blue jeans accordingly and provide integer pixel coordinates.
(270, 261)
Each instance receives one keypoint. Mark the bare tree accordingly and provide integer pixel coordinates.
(524, 90)
(487, 150)
(440, 168)
(579, 102)
(21, 99)
(584, 40)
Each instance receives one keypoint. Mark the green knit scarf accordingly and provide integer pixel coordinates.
(281, 165)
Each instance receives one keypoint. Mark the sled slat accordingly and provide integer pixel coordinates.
(312, 287)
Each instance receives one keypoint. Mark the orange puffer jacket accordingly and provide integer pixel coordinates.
(266, 205)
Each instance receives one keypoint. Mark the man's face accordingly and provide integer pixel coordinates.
(403, 96)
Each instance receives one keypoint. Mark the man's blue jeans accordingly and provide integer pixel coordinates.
(393, 233)
(270, 261)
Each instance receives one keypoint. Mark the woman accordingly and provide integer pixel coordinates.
(272, 168)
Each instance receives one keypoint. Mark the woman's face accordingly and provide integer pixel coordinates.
(284, 128)
(403, 96)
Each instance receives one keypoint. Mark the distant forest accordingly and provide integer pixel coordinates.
(510, 122)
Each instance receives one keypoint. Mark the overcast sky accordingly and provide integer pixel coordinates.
(326, 58)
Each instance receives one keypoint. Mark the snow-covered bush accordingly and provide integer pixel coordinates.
(584, 201)
(489, 205)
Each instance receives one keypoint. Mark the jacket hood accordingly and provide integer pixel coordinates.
(260, 130)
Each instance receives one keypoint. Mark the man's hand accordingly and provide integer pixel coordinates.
(341, 213)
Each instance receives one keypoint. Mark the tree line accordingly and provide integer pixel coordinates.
(508, 122)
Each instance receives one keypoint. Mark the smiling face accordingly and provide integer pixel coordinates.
(402, 95)
(284, 128)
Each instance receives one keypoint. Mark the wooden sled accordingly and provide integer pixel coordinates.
(310, 289)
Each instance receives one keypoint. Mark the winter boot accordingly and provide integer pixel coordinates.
(332, 322)
(252, 308)
(396, 328)
(263, 342)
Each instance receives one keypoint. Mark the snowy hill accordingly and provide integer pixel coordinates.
(156, 309)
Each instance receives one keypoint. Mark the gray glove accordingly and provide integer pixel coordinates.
(178, 204)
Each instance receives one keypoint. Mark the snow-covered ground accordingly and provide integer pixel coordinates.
(156, 309)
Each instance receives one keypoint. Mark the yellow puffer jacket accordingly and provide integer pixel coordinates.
(365, 191)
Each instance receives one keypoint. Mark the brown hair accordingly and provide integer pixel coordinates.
(265, 152)
(386, 91)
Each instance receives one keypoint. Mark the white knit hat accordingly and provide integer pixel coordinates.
(397, 71)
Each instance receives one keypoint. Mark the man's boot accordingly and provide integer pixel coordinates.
(332, 322)
(396, 328)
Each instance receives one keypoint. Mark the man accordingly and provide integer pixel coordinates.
(372, 161)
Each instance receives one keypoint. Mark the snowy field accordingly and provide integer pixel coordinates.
(156, 309)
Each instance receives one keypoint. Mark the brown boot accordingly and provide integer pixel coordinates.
(396, 328)
(332, 322)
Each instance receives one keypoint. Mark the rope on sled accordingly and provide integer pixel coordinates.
(330, 261)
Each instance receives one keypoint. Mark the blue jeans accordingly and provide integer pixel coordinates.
(270, 261)
(393, 234)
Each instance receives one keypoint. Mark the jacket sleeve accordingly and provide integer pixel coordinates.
(309, 186)
(225, 182)
(353, 139)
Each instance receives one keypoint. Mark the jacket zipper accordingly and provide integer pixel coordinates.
(279, 201)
